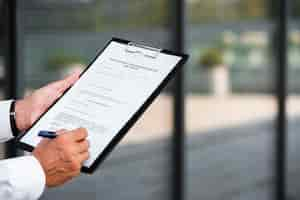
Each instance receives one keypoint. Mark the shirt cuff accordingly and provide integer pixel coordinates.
(26, 176)
(6, 133)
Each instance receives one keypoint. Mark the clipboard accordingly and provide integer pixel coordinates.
(130, 49)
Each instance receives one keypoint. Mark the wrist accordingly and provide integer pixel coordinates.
(37, 156)
(21, 115)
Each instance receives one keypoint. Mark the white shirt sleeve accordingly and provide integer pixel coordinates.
(21, 179)
(5, 129)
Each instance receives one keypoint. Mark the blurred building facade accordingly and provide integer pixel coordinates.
(230, 132)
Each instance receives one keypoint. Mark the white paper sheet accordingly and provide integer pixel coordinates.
(105, 98)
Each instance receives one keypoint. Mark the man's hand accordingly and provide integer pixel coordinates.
(62, 157)
(29, 109)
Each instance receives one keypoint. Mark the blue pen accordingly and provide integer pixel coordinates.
(47, 134)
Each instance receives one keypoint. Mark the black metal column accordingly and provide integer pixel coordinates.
(11, 60)
(179, 117)
(281, 96)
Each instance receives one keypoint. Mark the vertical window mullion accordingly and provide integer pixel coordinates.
(179, 105)
(11, 62)
(281, 98)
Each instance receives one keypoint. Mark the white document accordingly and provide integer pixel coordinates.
(107, 95)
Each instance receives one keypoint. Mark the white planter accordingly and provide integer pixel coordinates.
(220, 82)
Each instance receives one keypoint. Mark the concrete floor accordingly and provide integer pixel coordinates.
(235, 163)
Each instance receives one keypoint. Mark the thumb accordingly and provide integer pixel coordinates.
(65, 83)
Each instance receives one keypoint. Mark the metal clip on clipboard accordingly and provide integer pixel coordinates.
(149, 52)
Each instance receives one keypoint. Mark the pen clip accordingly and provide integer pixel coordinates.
(149, 52)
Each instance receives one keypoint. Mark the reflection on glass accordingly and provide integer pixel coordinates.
(230, 106)
(61, 36)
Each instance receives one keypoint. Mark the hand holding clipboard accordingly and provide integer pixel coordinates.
(110, 96)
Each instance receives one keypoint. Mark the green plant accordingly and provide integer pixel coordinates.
(212, 57)
(63, 60)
